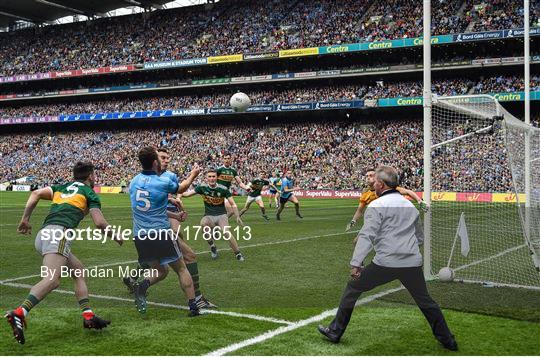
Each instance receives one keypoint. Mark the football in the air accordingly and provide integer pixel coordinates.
(240, 102)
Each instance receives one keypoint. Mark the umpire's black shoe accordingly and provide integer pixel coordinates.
(328, 334)
(451, 344)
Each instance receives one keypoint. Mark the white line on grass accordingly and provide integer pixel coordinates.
(272, 333)
(500, 254)
(283, 329)
(180, 307)
(203, 252)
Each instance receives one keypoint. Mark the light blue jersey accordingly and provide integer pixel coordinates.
(273, 181)
(286, 183)
(174, 178)
(149, 193)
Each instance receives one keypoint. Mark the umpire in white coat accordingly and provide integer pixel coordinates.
(392, 227)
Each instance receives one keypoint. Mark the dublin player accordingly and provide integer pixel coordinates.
(254, 195)
(215, 215)
(274, 191)
(176, 215)
(287, 194)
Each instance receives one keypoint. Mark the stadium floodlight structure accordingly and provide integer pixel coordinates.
(483, 164)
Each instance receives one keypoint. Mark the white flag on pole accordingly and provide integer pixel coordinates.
(463, 235)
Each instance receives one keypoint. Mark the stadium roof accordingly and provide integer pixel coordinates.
(41, 11)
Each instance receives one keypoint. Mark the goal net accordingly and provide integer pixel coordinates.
(485, 173)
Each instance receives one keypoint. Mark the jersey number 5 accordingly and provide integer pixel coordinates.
(141, 196)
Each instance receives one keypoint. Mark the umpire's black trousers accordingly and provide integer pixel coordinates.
(413, 280)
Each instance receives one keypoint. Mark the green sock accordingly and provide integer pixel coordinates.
(29, 302)
(84, 304)
(194, 271)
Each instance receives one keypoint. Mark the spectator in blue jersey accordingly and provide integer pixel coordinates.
(287, 194)
(156, 246)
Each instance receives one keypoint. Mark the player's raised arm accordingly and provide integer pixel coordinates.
(414, 196)
(184, 185)
(241, 184)
(45, 193)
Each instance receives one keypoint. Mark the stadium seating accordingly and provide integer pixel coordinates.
(322, 156)
(199, 32)
(307, 93)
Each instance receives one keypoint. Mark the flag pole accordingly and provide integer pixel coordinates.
(453, 247)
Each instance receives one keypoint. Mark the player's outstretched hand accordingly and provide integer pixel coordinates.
(24, 227)
(423, 206)
(196, 170)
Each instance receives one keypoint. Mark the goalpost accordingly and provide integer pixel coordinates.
(479, 169)
(482, 171)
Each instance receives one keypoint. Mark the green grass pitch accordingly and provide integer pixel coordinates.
(294, 270)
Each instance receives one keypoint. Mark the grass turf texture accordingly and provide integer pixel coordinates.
(289, 281)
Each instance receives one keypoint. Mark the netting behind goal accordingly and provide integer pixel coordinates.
(478, 160)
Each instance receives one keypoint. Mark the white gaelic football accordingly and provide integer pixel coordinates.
(240, 102)
(446, 274)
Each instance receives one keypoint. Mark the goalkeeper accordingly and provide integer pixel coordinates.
(370, 195)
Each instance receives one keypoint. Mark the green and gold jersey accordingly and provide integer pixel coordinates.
(257, 186)
(277, 183)
(226, 175)
(214, 198)
(70, 204)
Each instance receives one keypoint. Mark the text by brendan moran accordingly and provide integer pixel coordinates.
(97, 272)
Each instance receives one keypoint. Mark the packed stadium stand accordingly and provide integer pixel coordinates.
(202, 31)
(324, 154)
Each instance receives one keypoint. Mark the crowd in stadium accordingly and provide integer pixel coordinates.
(235, 27)
(322, 156)
(309, 93)
(505, 84)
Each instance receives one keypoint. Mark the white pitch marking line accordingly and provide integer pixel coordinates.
(203, 252)
(180, 307)
(283, 329)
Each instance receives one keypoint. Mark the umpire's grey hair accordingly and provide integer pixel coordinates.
(388, 175)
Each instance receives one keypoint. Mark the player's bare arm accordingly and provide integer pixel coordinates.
(189, 193)
(359, 212)
(241, 184)
(45, 193)
(101, 223)
(414, 196)
(235, 211)
(184, 185)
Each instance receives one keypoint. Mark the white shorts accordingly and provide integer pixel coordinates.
(49, 240)
(214, 220)
(256, 199)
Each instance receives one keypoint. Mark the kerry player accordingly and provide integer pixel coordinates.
(215, 215)
(226, 174)
(254, 195)
(70, 203)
